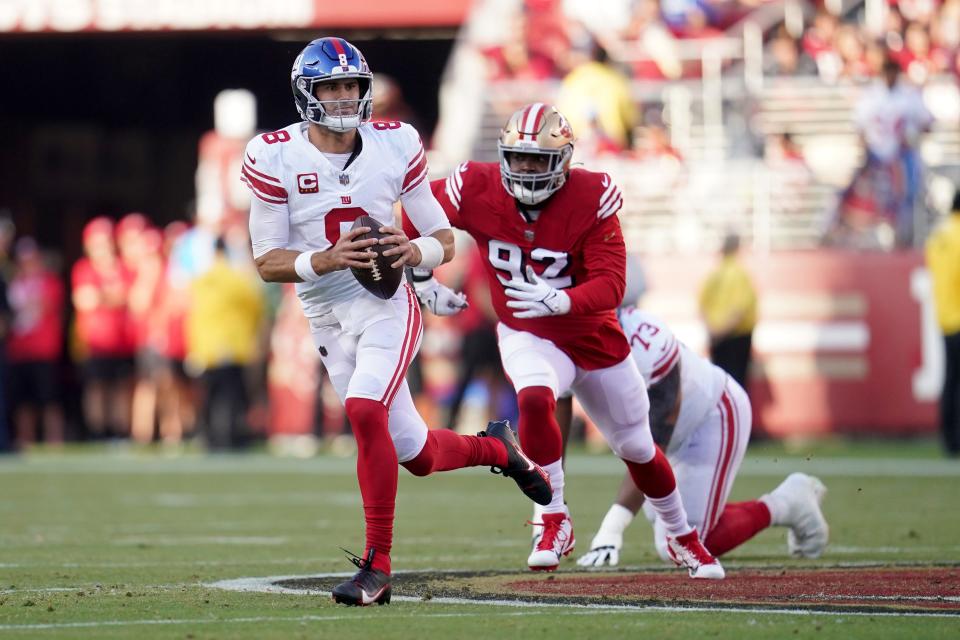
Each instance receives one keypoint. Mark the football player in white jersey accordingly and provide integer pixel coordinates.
(702, 418)
(310, 181)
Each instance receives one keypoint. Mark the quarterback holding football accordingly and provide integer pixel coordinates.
(310, 182)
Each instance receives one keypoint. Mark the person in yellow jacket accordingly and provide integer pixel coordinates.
(226, 307)
(595, 96)
(943, 260)
(728, 306)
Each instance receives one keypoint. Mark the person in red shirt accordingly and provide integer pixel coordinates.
(101, 285)
(175, 389)
(555, 262)
(34, 346)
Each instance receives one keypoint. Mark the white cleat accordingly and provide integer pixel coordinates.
(802, 496)
(687, 551)
(555, 542)
(604, 550)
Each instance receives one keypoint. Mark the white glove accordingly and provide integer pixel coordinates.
(605, 549)
(441, 300)
(535, 298)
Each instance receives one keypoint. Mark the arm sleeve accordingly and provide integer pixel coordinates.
(269, 226)
(437, 187)
(422, 210)
(605, 261)
(269, 216)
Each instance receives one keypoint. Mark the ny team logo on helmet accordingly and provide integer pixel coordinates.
(327, 59)
(537, 129)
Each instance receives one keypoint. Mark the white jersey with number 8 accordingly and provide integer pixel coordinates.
(303, 202)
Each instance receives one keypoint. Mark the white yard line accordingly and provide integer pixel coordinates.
(598, 465)
(266, 585)
(178, 541)
(332, 618)
(44, 590)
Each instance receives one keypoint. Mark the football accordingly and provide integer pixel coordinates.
(382, 280)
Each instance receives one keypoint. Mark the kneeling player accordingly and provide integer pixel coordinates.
(701, 417)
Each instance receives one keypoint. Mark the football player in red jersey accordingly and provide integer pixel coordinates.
(556, 265)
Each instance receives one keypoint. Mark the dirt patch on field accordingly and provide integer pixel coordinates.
(928, 588)
(889, 589)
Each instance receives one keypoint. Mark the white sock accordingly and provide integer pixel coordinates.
(778, 510)
(555, 470)
(670, 510)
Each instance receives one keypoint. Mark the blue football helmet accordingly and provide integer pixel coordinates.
(328, 59)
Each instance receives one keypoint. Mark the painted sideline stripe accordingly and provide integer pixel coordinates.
(597, 465)
(307, 618)
(265, 585)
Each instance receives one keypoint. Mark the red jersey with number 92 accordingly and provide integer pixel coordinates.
(575, 244)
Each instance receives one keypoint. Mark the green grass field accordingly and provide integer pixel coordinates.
(99, 543)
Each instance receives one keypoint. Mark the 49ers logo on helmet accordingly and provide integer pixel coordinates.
(308, 183)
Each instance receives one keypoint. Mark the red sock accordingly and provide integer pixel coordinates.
(540, 435)
(377, 474)
(446, 450)
(739, 522)
(655, 478)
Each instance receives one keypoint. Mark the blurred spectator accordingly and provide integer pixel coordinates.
(34, 347)
(851, 53)
(389, 103)
(294, 378)
(653, 143)
(175, 389)
(890, 117)
(943, 259)
(654, 47)
(536, 44)
(100, 288)
(818, 43)
(608, 19)
(691, 18)
(945, 30)
(222, 336)
(7, 231)
(790, 175)
(596, 99)
(787, 57)
(146, 306)
(546, 36)
(137, 261)
(728, 306)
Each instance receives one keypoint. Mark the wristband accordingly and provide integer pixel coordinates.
(304, 268)
(431, 252)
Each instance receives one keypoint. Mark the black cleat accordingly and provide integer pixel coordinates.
(367, 586)
(529, 476)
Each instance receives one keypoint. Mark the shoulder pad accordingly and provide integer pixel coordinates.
(654, 347)
(259, 167)
(610, 197)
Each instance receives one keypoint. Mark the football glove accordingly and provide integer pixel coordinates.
(439, 299)
(604, 550)
(534, 298)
